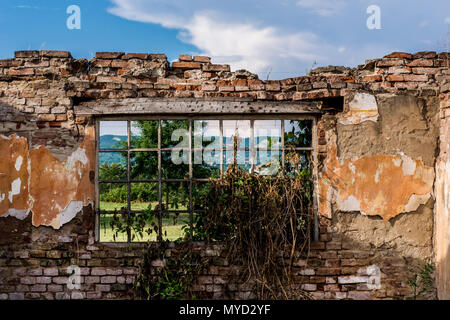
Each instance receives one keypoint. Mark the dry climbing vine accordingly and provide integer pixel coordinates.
(262, 223)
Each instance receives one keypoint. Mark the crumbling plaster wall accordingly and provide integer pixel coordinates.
(377, 184)
(442, 207)
(382, 167)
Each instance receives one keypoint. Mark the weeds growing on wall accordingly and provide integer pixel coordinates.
(262, 223)
(422, 282)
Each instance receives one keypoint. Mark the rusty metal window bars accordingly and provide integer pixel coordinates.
(165, 161)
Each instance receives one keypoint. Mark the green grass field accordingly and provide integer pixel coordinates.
(170, 230)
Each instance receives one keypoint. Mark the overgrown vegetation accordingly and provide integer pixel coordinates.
(422, 282)
(262, 224)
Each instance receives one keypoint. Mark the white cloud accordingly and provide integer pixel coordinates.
(323, 7)
(243, 45)
(233, 36)
(447, 20)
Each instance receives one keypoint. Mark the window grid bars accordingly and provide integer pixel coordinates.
(191, 179)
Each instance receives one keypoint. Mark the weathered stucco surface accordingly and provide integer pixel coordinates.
(37, 181)
(363, 107)
(14, 177)
(377, 143)
(363, 173)
(442, 207)
(382, 185)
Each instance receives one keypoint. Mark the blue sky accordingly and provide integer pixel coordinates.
(281, 38)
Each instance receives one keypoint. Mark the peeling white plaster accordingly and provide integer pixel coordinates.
(78, 155)
(349, 204)
(362, 108)
(377, 174)
(397, 162)
(415, 201)
(352, 167)
(408, 165)
(19, 214)
(374, 279)
(15, 189)
(67, 214)
(18, 164)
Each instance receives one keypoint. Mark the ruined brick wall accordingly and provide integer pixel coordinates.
(382, 184)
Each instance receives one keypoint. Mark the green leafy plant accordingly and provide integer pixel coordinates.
(175, 274)
(134, 224)
(262, 224)
(422, 281)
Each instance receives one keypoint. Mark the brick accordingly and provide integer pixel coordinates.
(38, 288)
(60, 280)
(28, 280)
(93, 295)
(51, 271)
(359, 295)
(43, 280)
(395, 77)
(26, 54)
(425, 55)
(399, 55)
(10, 63)
(186, 65)
(341, 295)
(273, 86)
(101, 63)
(309, 287)
(334, 245)
(108, 279)
(390, 62)
(55, 288)
(59, 110)
(184, 57)
(416, 77)
(328, 271)
(307, 272)
(202, 59)
(62, 296)
(205, 280)
(37, 63)
(109, 55)
(119, 64)
(317, 245)
(142, 56)
(55, 54)
(21, 72)
(47, 117)
(331, 287)
(352, 279)
(373, 78)
(216, 67)
(17, 296)
(35, 272)
(22, 288)
(114, 272)
(103, 287)
(422, 70)
(421, 63)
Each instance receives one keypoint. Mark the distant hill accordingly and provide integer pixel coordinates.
(110, 141)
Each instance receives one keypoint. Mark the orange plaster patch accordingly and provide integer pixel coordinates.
(383, 185)
(58, 189)
(14, 176)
